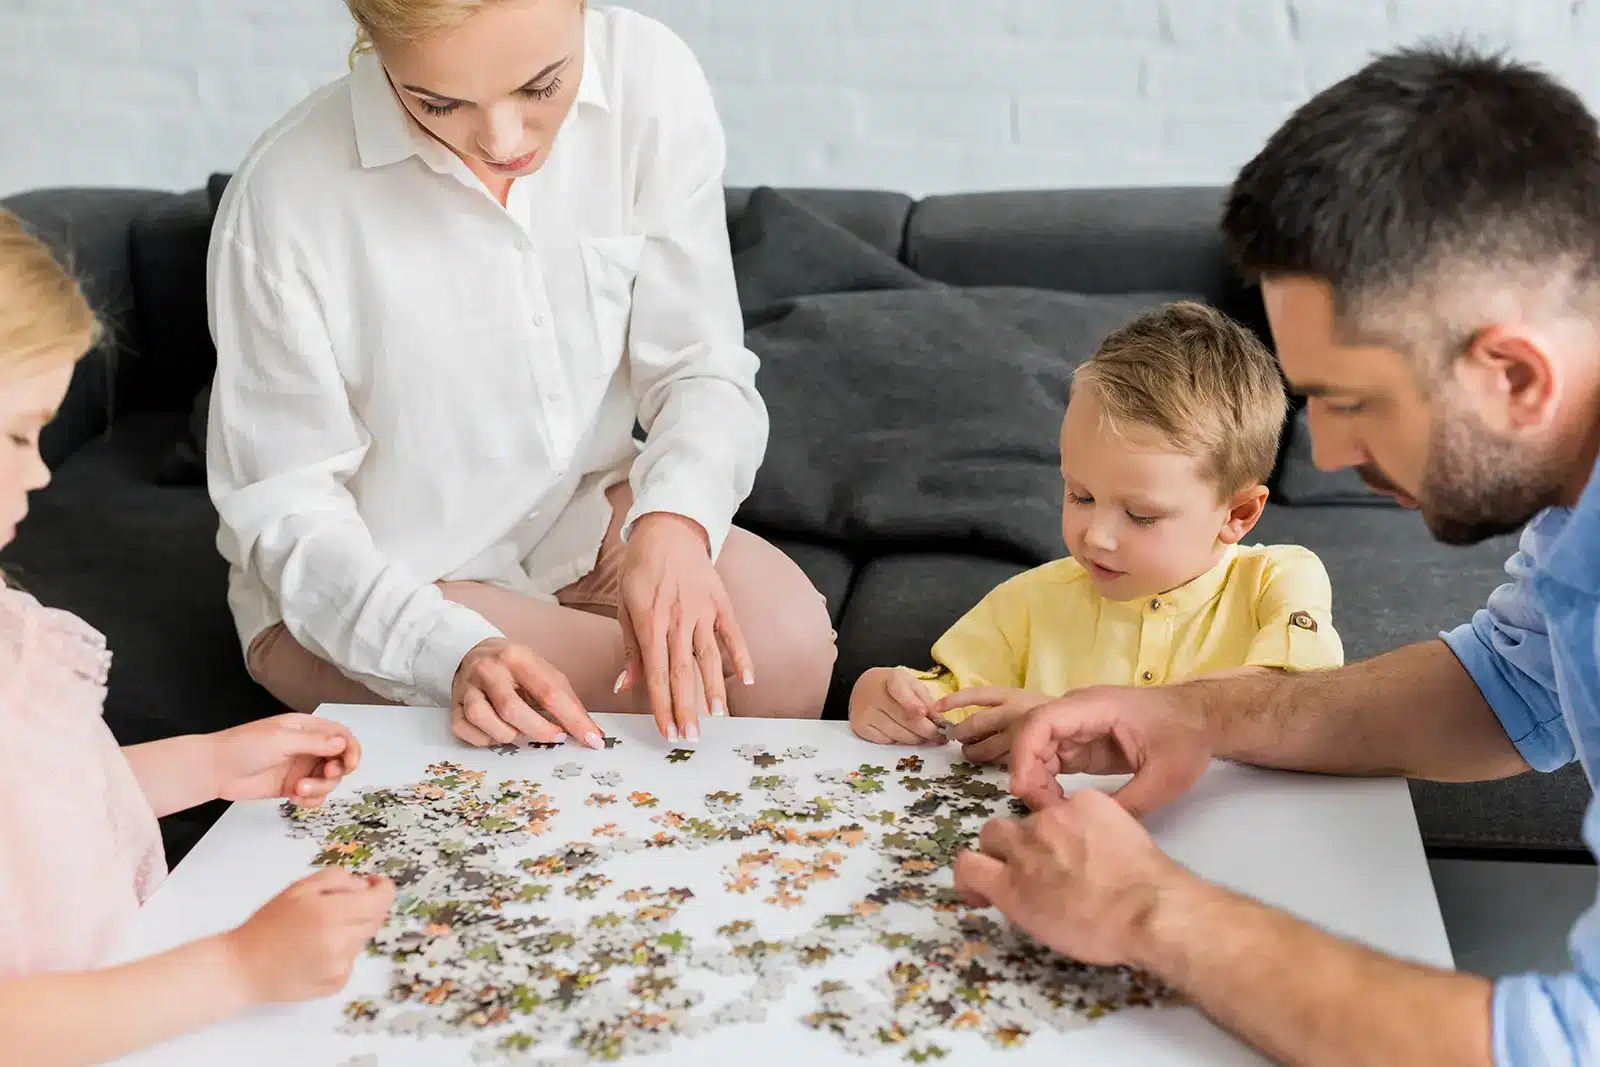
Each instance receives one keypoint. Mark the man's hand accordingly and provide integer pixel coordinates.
(987, 735)
(1155, 734)
(296, 757)
(677, 625)
(1082, 876)
(889, 707)
(489, 703)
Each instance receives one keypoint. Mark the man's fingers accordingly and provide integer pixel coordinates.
(1156, 783)
(1000, 838)
(981, 724)
(980, 880)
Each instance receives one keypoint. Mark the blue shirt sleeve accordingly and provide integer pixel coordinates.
(1554, 1020)
(1506, 650)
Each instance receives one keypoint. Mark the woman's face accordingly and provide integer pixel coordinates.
(496, 89)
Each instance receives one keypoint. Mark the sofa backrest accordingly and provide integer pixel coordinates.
(142, 255)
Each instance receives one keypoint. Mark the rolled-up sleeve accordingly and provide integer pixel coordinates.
(1554, 1020)
(1506, 650)
(694, 380)
(281, 443)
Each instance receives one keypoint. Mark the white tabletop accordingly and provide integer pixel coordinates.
(1344, 854)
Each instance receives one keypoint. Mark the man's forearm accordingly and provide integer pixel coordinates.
(1414, 712)
(1304, 997)
(175, 774)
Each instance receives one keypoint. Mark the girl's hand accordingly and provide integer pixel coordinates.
(297, 757)
(303, 942)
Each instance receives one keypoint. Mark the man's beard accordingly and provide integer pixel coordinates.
(1476, 485)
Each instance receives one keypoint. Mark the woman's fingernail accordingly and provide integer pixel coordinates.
(623, 677)
(718, 710)
(672, 733)
(691, 732)
(749, 677)
(594, 741)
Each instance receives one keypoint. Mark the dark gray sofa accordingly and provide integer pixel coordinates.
(126, 543)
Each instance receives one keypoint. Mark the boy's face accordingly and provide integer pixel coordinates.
(28, 401)
(1139, 517)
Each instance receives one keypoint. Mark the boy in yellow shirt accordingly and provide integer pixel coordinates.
(1170, 434)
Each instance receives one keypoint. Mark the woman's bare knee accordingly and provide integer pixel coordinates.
(793, 647)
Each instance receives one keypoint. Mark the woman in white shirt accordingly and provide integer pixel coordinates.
(443, 289)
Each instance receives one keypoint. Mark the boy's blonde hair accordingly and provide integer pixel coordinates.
(44, 317)
(1203, 382)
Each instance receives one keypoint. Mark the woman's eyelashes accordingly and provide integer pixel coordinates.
(440, 108)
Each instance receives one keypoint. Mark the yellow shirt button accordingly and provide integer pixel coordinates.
(1155, 604)
(1148, 676)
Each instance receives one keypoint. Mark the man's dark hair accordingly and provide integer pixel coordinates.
(1425, 160)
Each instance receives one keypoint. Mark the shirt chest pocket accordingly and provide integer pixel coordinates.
(610, 266)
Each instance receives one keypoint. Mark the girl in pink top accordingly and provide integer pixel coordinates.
(79, 845)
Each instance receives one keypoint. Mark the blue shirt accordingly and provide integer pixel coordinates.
(1532, 652)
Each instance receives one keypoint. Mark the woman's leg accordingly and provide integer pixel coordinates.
(783, 617)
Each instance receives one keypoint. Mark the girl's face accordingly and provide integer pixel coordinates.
(28, 400)
(496, 89)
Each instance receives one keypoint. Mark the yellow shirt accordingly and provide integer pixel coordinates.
(1048, 630)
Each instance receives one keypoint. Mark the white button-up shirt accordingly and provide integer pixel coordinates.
(416, 384)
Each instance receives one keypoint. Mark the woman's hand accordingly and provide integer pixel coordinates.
(677, 624)
(487, 705)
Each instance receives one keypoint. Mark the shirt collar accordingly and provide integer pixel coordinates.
(1192, 595)
(384, 131)
(1574, 557)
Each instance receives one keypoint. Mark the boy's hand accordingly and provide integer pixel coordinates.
(986, 735)
(303, 942)
(298, 757)
(890, 707)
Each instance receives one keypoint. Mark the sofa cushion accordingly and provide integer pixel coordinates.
(877, 217)
(900, 605)
(782, 250)
(924, 419)
(170, 241)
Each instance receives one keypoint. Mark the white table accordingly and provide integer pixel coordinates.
(1344, 854)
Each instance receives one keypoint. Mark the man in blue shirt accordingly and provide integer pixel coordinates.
(1427, 238)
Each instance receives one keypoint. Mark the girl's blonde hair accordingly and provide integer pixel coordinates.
(44, 317)
(408, 20)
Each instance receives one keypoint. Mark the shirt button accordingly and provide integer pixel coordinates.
(1148, 676)
(538, 319)
(1155, 604)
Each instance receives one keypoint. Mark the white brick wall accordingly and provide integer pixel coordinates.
(921, 95)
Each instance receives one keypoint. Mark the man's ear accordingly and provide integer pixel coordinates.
(1509, 376)
(1244, 511)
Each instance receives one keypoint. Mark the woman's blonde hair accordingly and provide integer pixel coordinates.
(44, 317)
(408, 20)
